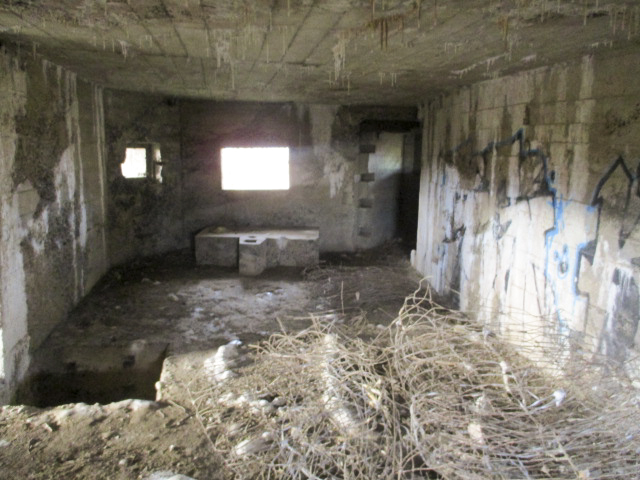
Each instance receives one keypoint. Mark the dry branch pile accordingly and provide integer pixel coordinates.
(431, 396)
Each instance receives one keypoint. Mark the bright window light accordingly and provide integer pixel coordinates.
(255, 168)
(135, 163)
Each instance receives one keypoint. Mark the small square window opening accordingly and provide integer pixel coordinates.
(143, 162)
(262, 168)
(135, 163)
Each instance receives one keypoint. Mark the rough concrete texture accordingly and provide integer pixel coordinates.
(226, 247)
(529, 203)
(252, 255)
(68, 214)
(168, 305)
(52, 247)
(195, 310)
(329, 51)
(294, 251)
(320, 193)
(212, 248)
(144, 215)
(529, 193)
(148, 217)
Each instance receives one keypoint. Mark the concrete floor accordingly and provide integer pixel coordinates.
(113, 344)
(159, 320)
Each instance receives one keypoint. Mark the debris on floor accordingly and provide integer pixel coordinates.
(167, 476)
(430, 396)
(126, 318)
(348, 388)
(218, 366)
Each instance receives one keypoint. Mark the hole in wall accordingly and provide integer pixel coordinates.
(143, 161)
(135, 163)
(123, 376)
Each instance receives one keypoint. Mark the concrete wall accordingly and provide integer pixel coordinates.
(321, 174)
(529, 203)
(146, 217)
(67, 213)
(52, 236)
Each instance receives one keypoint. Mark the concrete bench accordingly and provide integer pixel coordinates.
(254, 250)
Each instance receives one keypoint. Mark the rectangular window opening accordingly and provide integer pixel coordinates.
(135, 163)
(142, 162)
(260, 168)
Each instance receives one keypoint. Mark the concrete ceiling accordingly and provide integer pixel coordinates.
(320, 51)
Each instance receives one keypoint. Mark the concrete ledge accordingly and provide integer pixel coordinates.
(213, 249)
(289, 247)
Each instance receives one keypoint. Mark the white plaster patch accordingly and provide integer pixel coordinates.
(65, 182)
(322, 118)
(12, 277)
(13, 301)
(4, 391)
(334, 170)
(38, 229)
(65, 176)
(587, 77)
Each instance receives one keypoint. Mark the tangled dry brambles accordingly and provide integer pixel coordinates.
(430, 396)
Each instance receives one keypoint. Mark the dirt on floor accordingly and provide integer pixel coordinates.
(144, 332)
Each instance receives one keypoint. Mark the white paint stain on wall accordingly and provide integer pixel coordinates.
(22, 219)
(13, 301)
(322, 118)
